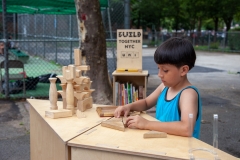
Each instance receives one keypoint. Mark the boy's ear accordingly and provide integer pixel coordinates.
(184, 70)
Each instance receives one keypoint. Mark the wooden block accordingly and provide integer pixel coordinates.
(135, 113)
(106, 111)
(78, 88)
(83, 67)
(86, 86)
(87, 94)
(82, 79)
(62, 79)
(64, 86)
(85, 104)
(81, 95)
(61, 113)
(78, 73)
(80, 114)
(91, 90)
(64, 68)
(71, 71)
(155, 134)
(63, 94)
(77, 57)
(70, 95)
(114, 123)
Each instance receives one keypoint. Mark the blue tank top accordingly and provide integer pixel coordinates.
(169, 110)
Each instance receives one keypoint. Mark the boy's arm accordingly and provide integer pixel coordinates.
(188, 104)
(140, 105)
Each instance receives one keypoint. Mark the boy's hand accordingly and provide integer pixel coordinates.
(136, 122)
(121, 110)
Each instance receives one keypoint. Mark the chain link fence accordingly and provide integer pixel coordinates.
(45, 43)
(206, 40)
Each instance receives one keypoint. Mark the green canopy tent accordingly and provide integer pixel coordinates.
(45, 6)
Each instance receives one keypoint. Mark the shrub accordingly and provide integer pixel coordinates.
(234, 39)
(214, 45)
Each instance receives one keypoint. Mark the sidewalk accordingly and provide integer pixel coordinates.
(14, 132)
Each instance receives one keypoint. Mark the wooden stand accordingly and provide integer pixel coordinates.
(138, 78)
(73, 139)
(106, 144)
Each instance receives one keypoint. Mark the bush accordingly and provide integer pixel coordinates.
(214, 45)
(234, 39)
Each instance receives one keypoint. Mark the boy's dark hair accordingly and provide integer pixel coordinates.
(176, 51)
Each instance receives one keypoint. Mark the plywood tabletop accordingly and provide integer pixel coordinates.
(131, 142)
(143, 73)
(67, 128)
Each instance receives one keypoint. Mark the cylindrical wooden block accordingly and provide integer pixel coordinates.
(64, 87)
(70, 95)
(53, 94)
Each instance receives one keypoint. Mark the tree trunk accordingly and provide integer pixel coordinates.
(93, 47)
(228, 22)
(215, 28)
(198, 40)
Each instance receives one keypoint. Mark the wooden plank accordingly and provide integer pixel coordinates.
(86, 153)
(155, 134)
(77, 57)
(106, 111)
(114, 123)
(60, 113)
(128, 70)
(131, 142)
(83, 67)
(143, 73)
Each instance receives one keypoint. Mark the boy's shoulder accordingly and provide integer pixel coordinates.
(189, 92)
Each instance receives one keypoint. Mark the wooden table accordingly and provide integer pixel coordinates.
(49, 137)
(107, 144)
(84, 139)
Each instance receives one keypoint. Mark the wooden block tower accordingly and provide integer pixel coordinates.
(76, 92)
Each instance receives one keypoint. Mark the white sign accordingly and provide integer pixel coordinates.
(129, 49)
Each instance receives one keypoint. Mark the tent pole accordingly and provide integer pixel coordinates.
(126, 14)
(109, 22)
(70, 35)
(111, 36)
(14, 26)
(5, 40)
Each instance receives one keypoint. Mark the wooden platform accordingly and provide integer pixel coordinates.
(73, 139)
(106, 144)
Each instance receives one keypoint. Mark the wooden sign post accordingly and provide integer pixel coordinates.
(129, 50)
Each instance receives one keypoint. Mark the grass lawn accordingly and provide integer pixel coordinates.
(34, 68)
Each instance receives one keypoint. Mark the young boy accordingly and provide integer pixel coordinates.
(175, 98)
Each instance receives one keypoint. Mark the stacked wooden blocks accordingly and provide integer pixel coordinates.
(76, 92)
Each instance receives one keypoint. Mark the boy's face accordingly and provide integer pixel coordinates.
(170, 74)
